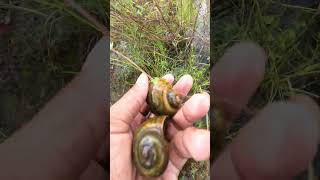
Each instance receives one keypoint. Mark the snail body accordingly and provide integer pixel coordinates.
(150, 148)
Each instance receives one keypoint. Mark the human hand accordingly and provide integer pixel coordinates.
(280, 141)
(67, 138)
(185, 140)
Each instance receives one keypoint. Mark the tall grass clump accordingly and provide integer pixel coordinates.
(157, 36)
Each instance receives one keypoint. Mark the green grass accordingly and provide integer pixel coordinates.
(158, 47)
(157, 37)
(287, 33)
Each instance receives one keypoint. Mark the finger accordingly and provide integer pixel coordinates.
(137, 121)
(305, 101)
(236, 77)
(278, 143)
(65, 135)
(184, 85)
(94, 172)
(190, 143)
(126, 109)
(101, 156)
(194, 109)
(97, 56)
(144, 110)
(169, 78)
(308, 103)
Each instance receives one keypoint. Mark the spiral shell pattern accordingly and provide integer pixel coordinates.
(162, 99)
(150, 148)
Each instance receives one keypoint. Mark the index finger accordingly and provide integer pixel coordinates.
(260, 151)
(196, 107)
(236, 76)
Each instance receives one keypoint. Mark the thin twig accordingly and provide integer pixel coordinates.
(162, 16)
(133, 63)
(309, 10)
(207, 121)
(87, 15)
(3, 134)
(310, 172)
(318, 11)
(136, 20)
(8, 6)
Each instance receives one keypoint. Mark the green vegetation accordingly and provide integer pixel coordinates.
(158, 37)
(290, 35)
(154, 35)
(44, 48)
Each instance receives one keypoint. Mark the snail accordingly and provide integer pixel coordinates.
(162, 99)
(150, 146)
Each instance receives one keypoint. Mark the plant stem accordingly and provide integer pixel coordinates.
(133, 63)
(87, 15)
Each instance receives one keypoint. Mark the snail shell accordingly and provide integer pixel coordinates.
(150, 148)
(162, 99)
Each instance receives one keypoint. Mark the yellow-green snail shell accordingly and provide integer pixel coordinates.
(162, 99)
(150, 147)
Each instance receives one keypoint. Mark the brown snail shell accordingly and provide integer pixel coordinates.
(150, 148)
(162, 99)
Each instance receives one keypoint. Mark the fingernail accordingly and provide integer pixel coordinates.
(142, 81)
(202, 100)
(207, 97)
(169, 77)
(186, 79)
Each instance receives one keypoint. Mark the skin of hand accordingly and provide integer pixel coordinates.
(64, 140)
(67, 138)
(185, 141)
(278, 142)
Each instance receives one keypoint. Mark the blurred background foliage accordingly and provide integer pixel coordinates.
(288, 30)
(43, 44)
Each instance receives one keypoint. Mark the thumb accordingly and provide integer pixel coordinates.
(127, 108)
